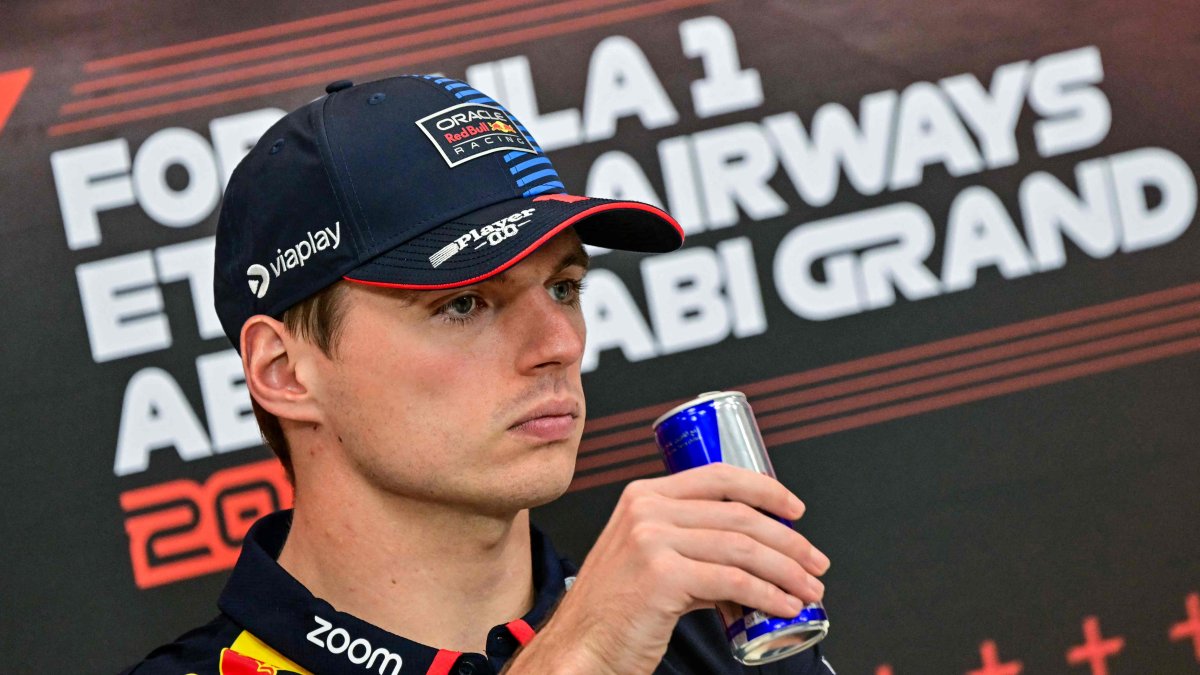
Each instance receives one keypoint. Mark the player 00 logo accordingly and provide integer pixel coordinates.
(183, 529)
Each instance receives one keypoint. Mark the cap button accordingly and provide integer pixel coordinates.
(338, 86)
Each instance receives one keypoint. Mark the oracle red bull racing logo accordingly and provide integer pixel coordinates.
(470, 130)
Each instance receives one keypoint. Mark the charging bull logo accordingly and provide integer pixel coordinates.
(233, 663)
(470, 130)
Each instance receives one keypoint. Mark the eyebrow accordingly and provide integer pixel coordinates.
(577, 256)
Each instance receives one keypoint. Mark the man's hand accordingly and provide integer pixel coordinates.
(675, 544)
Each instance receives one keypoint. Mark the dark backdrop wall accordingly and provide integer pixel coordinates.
(948, 249)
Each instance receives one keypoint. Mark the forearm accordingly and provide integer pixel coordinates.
(557, 652)
(571, 643)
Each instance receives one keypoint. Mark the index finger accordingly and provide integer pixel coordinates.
(725, 482)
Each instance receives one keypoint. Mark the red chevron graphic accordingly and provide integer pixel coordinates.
(12, 85)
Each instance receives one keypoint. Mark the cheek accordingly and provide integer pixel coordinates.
(580, 326)
(416, 389)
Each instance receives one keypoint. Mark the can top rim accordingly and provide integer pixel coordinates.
(702, 398)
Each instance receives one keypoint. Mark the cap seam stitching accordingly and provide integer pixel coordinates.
(330, 177)
(357, 201)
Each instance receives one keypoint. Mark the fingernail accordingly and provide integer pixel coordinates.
(816, 586)
(795, 604)
(820, 561)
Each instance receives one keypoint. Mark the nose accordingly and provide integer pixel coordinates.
(552, 334)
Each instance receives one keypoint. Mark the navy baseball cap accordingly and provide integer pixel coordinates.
(415, 182)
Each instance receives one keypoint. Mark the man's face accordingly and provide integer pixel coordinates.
(469, 396)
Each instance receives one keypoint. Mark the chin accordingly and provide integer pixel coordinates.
(533, 486)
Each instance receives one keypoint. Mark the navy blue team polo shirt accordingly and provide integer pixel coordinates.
(270, 623)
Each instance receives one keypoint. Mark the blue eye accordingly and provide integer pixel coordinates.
(461, 309)
(566, 291)
(462, 305)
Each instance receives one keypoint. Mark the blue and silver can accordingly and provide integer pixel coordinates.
(719, 427)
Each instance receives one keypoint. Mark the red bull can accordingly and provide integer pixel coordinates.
(719, 427)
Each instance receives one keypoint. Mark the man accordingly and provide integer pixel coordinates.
(400, 268)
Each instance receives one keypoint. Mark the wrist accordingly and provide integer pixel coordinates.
(559, 651)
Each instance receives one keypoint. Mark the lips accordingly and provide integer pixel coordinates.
(550, 421)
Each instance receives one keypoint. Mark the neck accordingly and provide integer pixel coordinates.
(428, 572)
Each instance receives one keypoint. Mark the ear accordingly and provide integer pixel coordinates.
(275, 377)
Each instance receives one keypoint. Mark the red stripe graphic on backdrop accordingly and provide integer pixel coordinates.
(648, 413)
(273, 83)
(296, 63)
(799, 412)
(592, 443)
(290, 46)
(12, 85)
(256, 34)
(926, 377)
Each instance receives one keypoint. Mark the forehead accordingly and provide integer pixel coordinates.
(561, 251)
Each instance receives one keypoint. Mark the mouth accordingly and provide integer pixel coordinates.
(550, 421)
